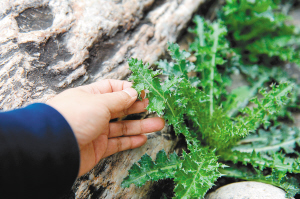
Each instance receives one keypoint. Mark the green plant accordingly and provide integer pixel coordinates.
(213, 121)
(258, 30)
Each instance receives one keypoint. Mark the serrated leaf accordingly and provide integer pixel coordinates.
(145, 79)
(194, 106)
(147, 170)
(277, 161)
(260, 32)
(196, 174)
(282, 137)
(269, 105)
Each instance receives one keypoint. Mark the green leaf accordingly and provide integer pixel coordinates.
(208, 46)
(277, 161)
(145, 79)
(259, 31)
(147, 170)
(192, 97)
(257, 77)
(282, 137)
(269, 105)
(196, 174)
(169, 99)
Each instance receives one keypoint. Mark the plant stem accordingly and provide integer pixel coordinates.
(212, 67)
(211, 92)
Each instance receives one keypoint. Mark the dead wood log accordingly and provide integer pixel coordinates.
(47, 46)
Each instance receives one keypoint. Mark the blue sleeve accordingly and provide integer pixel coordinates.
(39, 154)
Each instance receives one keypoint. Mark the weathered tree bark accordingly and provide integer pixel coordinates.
(47, 46)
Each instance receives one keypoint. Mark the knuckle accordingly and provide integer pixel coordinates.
(141, 126)
(124, 128)
(123, 83)
(109, 83)
(130, 144)
(119, 145)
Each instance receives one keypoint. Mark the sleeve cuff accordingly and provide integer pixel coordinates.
(38, 151)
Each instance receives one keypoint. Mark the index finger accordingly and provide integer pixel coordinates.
(107, 86)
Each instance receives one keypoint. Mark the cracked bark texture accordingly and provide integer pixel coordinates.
(47, 46)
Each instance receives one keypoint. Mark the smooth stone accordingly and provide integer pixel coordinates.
(247, 190)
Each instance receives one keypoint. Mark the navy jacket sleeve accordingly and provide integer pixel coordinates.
(39, 155)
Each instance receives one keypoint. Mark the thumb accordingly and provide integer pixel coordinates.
(120, 101)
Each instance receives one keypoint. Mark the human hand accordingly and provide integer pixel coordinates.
(89, 109)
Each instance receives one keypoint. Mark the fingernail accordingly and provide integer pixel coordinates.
(130, 91)
(143, 94)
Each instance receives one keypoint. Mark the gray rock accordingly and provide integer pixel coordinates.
(247, 190)
(49, 45)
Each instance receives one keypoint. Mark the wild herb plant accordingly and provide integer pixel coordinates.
(200, 108)
(258, 30)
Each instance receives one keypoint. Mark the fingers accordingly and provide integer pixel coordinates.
(137, 107)
(135, 127)
(116, 145)
(106, 86)
(119, 102)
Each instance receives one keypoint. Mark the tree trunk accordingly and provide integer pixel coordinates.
(47, 46)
